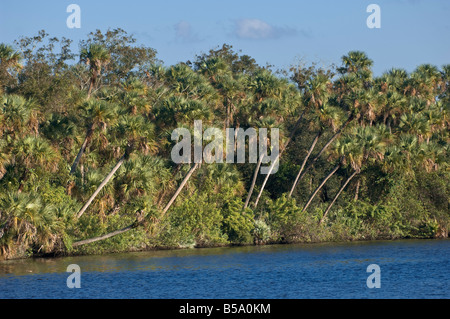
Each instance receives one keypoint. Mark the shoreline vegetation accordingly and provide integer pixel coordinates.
(85, 150)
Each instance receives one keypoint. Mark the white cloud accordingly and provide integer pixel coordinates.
(183, 29)
(184, 32)
(258, 29)
(254, 29)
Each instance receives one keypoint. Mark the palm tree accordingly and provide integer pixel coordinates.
(5, 158)
(354, 62)
(427, 79)
(10, 63)
(26, 221)
(139, 135)
(33, 153)
(347, 94)
(416, 124)
(271, 96)
(394, 105)
(97, 113)
(142, 176)
(189, 84)
(96, 57)
(393, 80)
(9, 58)
(19, 117)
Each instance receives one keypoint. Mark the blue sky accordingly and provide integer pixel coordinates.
(277, 32)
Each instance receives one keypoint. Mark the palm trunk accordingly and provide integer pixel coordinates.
(255, 175)
(313, 145)
(278, 157)
(92, 82)
(321, 185)
(82, 149)
(91, 85)
(180, 188)
(331, 140)
(109, 235)
(227, 121)
(358, 184)
(337, 195)
(82, 174)
(106, 180)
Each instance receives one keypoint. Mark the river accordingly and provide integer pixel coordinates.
(407, 269)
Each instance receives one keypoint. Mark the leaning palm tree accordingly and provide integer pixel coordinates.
(105, 181)
(291, 136)
(323, 149)
(140, 218)
(255, 176)
(347, 95)
(338, 194)
(325, 116)
(330, 174)
(96, 57)
(360, 146)
(179, 189)
(351, 152)
(137, 131)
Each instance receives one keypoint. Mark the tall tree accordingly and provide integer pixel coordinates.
(96, 57)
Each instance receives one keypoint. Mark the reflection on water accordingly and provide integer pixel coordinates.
(280, 271)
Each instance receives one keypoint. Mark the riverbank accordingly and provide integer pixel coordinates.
(74, 253)
(284, 223)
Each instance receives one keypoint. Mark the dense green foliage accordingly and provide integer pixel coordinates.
(369, 154)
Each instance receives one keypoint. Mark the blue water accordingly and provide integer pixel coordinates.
(408, 269)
